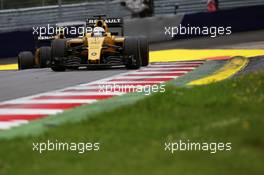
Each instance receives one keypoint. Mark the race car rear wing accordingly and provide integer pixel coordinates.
(111, 22)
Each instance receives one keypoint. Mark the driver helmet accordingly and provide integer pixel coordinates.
(98, 31)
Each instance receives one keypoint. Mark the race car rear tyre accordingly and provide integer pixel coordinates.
(58, 51)
(144, 51)
(25, 60)
(131, 50)
(44, 56)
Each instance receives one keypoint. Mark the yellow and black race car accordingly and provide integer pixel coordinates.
(100, 47)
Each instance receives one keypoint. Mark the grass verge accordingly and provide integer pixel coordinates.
(132, 137)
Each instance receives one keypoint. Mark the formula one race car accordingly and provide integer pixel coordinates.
(101, 47)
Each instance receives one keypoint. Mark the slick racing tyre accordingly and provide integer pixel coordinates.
(25, 60)
(44, 56)
(58, 51)
(132, 52)
(144, 50)
(58, 48)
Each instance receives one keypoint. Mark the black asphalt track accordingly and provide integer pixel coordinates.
(15, 84)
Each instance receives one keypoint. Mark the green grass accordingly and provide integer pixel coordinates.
(132, 137)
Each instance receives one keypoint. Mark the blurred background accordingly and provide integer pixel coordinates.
(19, 14)
(161, 6)
(145, 17)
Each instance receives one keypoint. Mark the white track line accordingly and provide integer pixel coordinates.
(171, 65)
(145, 77)
(112, 83)
(51, 101)
(118, 81)
(13, 123)
(179, 62)
(82, 88)
(9, 111)
(106, 86)
(167, 68)
(83, 93)
(159, 72)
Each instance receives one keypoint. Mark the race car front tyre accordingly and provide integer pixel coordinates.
(25, 60)
(58, 51)
(144, 51)
(44, 56)
(131, 50)
(58, 48)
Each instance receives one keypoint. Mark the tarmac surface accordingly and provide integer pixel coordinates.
(256, 64)
(15, 84)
